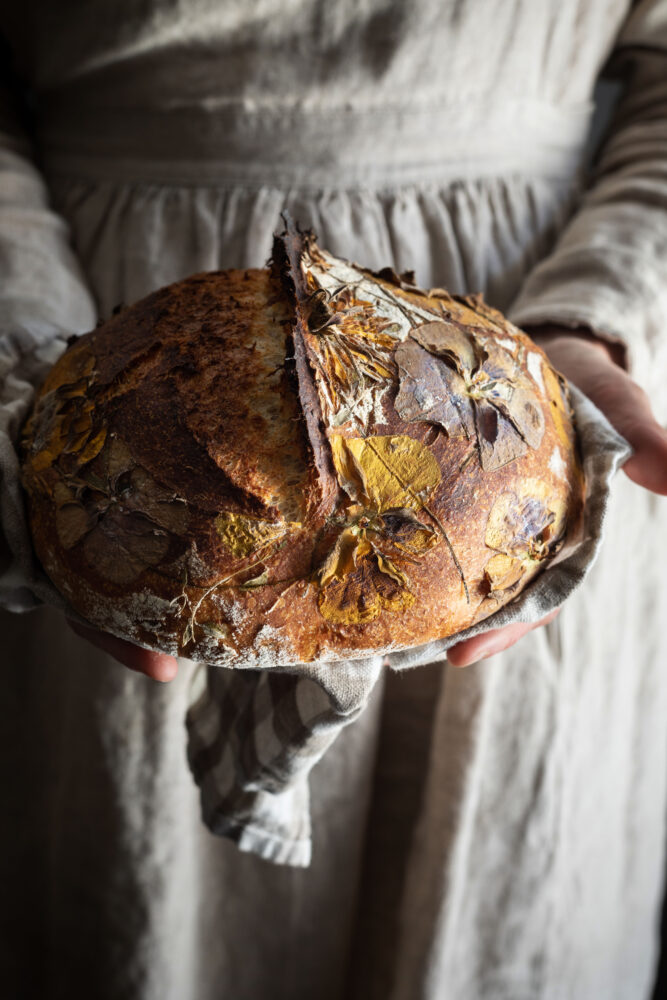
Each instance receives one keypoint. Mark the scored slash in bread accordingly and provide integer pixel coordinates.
(309, 461)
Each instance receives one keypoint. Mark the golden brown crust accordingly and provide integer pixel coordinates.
(263, 467)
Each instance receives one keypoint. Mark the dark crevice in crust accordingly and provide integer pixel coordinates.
(288, 249)
(150, 421)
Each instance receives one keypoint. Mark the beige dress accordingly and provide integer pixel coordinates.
(489, 834)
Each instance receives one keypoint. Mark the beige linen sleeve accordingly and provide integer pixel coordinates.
(43, 299)
(608, 271)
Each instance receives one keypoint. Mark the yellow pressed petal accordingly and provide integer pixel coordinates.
(43, 459)
(401, 600)
(559, 407)
(386, 471)
(76, 443)
(341, 559)
(344, 466)
(339, 609)
(361, 597)
(364, 548)
(387, 566)
(364, 584)
(76, 424)
(68, 372)
(503, 571)
(339, 368)
(422, 540)
(50, 454)
(381, 370)
(73, 390)
(93, 447)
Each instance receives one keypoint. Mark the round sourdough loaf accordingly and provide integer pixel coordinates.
(310, 461)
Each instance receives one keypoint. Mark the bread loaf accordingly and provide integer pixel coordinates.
(309, 461)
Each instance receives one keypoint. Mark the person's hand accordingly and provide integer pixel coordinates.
(596, 368)
(158, 666)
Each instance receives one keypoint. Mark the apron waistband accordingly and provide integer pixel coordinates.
(295, 147)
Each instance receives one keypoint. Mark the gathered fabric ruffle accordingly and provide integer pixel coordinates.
(467, 235)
